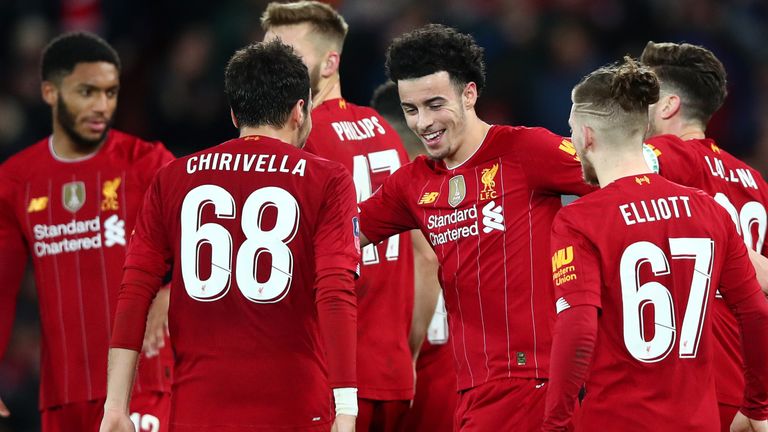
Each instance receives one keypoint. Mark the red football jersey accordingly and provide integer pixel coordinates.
(488, 221)
(248, 225)
(650, 255)
(741, 190)
(72, 217)
(360, 139)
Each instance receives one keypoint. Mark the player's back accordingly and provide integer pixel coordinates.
(743, 193)
(662, 249)
(361, 140)
(247, 221)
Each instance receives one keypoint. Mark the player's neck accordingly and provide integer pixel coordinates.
(612, 167)
(283, 134)
(689, 132)
(684, 129)
(64, 147)
(473, 137)
(328, 88)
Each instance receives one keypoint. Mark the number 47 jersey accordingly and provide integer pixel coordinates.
(650, 254)
(248, 226)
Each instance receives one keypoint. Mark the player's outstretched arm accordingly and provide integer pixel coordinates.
(742, 423)
(121, 371)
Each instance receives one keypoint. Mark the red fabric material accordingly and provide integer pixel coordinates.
(138, 290)
(434, 404)
(73, 219)
(700, 163)
(507, 404)
(360, 139)
(381, 416)
(231, 335)
(488, 221)
(727, 413)
(150, 412)
(640, 240)
(752, 315)
(337, 316)
(573, 343)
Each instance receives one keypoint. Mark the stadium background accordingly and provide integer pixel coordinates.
(174, 52)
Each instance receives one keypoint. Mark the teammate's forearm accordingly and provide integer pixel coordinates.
(761, 269)
(426, 290)
(120, 374)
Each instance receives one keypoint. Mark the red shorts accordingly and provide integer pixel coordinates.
(149, 412)
(381, 416)
(509, 404)
(434, 404)
(727, 413)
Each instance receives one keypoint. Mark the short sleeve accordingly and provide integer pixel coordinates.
(575, 266)
(149, 249)
(337, 238)
(151, 162)
(386, 213)
(550, 163)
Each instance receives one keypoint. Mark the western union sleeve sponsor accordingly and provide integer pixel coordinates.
(562, 269)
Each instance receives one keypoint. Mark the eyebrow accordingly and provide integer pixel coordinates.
(426, 102)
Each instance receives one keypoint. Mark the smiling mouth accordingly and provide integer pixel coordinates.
(432, 137)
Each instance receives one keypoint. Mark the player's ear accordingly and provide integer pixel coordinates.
(330, 65)
(469, 95)
(234, 119)
(298, 113)
(589, 137)
(50, 93)
(670, 106)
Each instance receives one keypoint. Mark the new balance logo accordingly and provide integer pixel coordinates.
(37, 204)
(493, 219)
(429, 197)
(562, 304)
(114, 231)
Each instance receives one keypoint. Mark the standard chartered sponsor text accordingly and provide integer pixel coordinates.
(48, 244)
(453, 234)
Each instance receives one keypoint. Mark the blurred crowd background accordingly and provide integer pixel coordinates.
(174, 53)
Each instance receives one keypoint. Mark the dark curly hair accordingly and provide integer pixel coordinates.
(691, 71)
(62, 54)
(263, 82)
(435, 48)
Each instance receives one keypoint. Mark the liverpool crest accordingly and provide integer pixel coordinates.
(489, 183)
(457, 190)
(110, 194)
(73, 196)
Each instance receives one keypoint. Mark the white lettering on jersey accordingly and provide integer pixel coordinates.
(739, 175)
(655, 209)
(493, 219)
(246, 162)
(114, 234)
(358, 130)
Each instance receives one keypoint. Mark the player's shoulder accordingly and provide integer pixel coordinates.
(522, 132)
(132, 148)
(21, 161)
(527, 138)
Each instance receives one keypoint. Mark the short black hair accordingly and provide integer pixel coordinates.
(386, 100)
(64, 52)
(692, 71)
(435, 48)
(263, 82)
